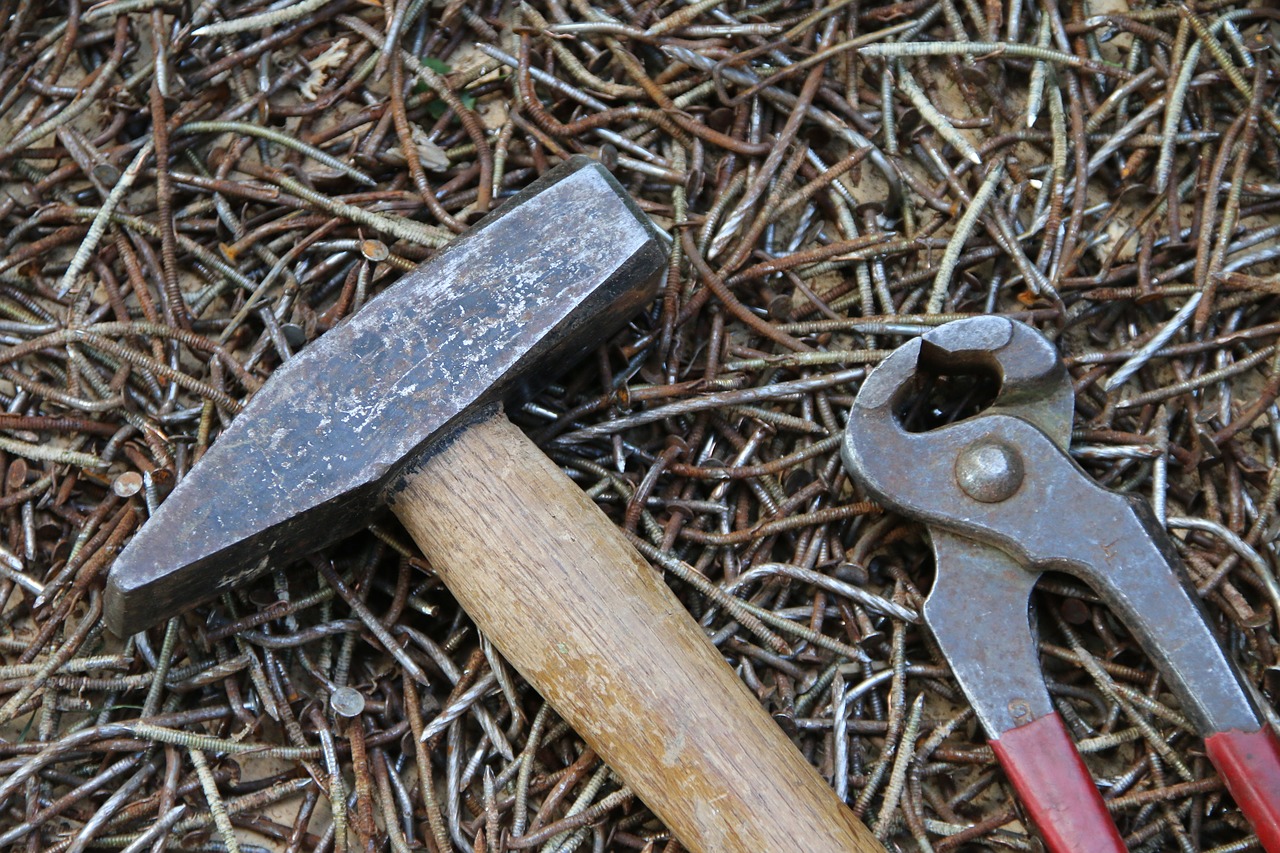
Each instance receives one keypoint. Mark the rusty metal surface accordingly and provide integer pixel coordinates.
(183, 210)
(1053, 518)
(561, 266)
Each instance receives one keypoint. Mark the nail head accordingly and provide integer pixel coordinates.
(375, 250)
(127, 484)
(347, 702)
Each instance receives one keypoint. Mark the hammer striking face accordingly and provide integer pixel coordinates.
(559, 267)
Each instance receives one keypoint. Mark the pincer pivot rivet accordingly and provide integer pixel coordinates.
(989, 471)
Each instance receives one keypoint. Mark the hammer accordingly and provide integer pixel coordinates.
(400, 405)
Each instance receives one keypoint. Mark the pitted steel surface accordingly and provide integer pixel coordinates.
(1004, 502)
(548, 276)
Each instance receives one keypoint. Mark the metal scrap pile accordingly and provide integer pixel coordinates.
(191, 193)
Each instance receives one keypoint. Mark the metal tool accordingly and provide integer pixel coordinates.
(1003, 502)
(399, 406)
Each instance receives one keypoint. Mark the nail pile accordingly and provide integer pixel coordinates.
(191, 193)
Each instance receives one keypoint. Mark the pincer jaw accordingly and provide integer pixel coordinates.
(1033, 381)
(1034, 387)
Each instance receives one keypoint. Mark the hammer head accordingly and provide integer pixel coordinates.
(548, 276)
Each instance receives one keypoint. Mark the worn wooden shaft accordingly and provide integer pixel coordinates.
(554, 584)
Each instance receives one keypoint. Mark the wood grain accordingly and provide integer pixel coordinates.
(553, 583)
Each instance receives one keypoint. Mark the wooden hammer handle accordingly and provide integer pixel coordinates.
(552, 582)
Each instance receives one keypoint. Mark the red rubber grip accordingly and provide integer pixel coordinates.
(1250, 766)
(1056, 789)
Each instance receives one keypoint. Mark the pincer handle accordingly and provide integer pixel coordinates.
(1056, 789)
(1250, 766)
